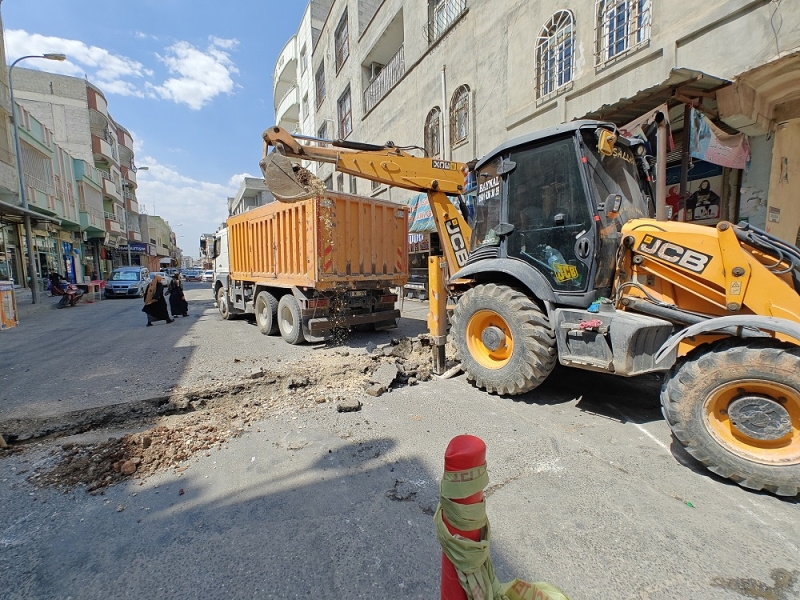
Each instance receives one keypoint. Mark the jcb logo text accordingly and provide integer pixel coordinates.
(457, 241)
(444, 164)
(675, 254)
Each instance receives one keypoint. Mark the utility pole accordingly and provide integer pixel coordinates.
(22, 195)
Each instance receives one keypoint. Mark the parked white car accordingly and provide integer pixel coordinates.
(208, 275)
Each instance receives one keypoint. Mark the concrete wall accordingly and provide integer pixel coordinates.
(492, 50)
(59, 102)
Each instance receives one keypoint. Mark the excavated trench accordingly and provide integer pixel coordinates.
(166, 431)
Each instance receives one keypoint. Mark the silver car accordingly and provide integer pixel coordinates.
(127, 282)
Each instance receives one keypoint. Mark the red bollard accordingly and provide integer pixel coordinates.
(463, 452)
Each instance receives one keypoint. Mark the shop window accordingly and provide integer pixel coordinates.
(433, 132)
(555, 54)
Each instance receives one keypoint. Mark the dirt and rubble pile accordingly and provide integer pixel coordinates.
(196, 421)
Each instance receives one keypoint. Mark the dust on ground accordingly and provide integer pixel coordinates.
(204, 419)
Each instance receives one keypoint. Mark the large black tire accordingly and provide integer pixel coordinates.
(222, 304)
(266, 309)
(735, 407)
(526, 356)
(289, 320)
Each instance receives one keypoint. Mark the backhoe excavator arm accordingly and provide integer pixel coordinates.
(384, 164)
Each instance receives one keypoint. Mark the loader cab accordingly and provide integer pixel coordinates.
(556, 200)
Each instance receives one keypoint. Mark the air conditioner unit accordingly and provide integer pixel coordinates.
(375, 70)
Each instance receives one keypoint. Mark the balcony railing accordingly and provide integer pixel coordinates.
(110, 216)
(391, 73)
(444, 14)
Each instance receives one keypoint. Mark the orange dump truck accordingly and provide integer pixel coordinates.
(309, 267)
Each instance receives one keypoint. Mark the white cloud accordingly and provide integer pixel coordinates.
(236, 180)
(191, 207)
(196, 76)
(199, 76)
(107, 70)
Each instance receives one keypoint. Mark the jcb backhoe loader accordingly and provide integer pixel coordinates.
(564, 263)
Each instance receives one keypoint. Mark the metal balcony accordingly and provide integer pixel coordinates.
(391, 73)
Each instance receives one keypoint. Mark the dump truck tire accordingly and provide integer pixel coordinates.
(735, 407)
(222, 305)
(266, 310)
(290, 320)
(503, 339)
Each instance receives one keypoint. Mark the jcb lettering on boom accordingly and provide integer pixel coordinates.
(457, 241)
(675, 254)
(444, 164)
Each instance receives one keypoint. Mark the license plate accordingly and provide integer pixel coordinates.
(357, 293)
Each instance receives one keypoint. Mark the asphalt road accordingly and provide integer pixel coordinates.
(587, 490)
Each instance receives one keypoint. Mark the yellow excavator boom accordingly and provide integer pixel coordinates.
(383, 164)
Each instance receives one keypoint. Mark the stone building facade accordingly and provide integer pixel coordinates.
(459, 77)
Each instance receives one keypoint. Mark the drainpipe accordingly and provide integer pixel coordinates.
(661, 167)
(445, 117)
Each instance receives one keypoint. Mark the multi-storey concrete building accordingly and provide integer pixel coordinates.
(77, 113)
(457, 78)
(252, 193)
(160, 238)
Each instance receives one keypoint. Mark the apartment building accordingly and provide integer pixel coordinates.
(456, 78)
(252, 193)
(160, 241)
(76, 111)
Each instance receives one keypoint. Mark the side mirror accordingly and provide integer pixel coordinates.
(612, 205)
(504, 229)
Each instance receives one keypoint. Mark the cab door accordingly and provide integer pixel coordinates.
(548, 206)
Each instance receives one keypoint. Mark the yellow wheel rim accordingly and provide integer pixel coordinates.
(489, 339)
(757, 420)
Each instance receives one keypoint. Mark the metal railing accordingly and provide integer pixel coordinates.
(443, 14)
(391, 73)
(110, 216)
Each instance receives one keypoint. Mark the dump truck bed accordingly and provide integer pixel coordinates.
(331, 241)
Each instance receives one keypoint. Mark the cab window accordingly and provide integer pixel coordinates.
(548, 207)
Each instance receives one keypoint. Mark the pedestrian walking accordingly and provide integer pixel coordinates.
(177, 299)
(154, 303)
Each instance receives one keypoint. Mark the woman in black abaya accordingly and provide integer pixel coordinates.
(154, 304)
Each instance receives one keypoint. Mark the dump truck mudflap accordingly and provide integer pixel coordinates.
(321, 325)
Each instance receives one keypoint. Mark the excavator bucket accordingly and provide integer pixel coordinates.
(287, 181)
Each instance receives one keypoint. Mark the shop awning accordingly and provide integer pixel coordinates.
(681, 85)
(13, 212)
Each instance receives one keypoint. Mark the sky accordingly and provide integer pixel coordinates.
(191, 81)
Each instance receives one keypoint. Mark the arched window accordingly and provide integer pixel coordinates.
(555, 53)
(433, 132)
(459, 116)
(621, 25)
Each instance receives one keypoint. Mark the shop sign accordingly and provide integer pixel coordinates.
(139, 248)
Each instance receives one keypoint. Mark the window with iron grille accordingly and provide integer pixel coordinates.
(442, 14)
(340, 182)
(621, 26)
(341, 42)
(345, 114)
(319, 83)
(555, 53)
(433, 132)
(459, 116)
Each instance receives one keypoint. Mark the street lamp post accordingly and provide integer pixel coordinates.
(22, 196)
(127, 232)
